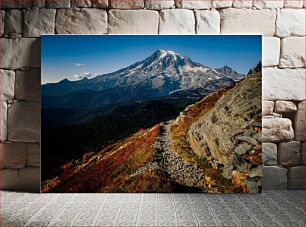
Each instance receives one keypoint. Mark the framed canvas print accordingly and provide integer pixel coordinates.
(172, 113)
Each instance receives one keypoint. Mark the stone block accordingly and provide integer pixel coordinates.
(133, 22)
(39, 3)
(13, 21)
(7, 82)
(222, 3)
(277, 129)
(208, 22)
(39, 22)
(27, 85)
(33, 158)
(13, 155)
(293, 3)
(81, 21)
(285, 107)
(269, 154)
(270, 51)
(293, 52)
(242, 4)
(290, 22)
(3, 121)
(25, 180)
(192, 4)
(159, 4)
(56, 4)
(80, 3)
(303, 160)
(15, 4)
(9, 179)
(20, 53)
(126, 4)
(177, 21)
(99, 3)
(289, 153)
(30, 179)
(2, 15)
(267, 107)
(299, 122)
(262, 4)
(274, 177)
(283, 84)
(24, 122)
(296, 178)
(248, 21)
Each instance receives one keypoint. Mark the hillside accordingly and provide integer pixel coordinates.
(88, 114)
(195, 152)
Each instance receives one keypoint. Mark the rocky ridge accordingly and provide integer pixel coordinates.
(231, 133)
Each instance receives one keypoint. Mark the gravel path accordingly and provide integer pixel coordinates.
(170, 163)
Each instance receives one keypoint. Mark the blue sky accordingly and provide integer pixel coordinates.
(72, 56)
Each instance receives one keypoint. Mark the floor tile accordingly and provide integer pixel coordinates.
(271, 208)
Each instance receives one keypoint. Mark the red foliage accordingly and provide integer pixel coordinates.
(101, 172)
(67, 166)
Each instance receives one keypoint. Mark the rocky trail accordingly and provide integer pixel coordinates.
(170, 163)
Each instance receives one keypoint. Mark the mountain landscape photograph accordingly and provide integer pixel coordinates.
(142, 113)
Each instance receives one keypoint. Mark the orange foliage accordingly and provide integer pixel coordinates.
(110, 167)
(179, 129)
(193, 113)
(238, 180)
(67, 166)
(213, 180)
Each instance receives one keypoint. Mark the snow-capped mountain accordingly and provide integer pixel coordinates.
(165, 68)
(163, 73)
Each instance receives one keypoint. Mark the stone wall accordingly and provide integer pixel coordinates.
(281, 22)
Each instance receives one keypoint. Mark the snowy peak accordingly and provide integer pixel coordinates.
(165, 55)
(164, 70)
(168, 53)
(168, 60)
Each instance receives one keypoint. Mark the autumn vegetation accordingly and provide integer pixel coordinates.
(110, 169)
(214, 181)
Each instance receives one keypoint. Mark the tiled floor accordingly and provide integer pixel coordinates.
(271, 208)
